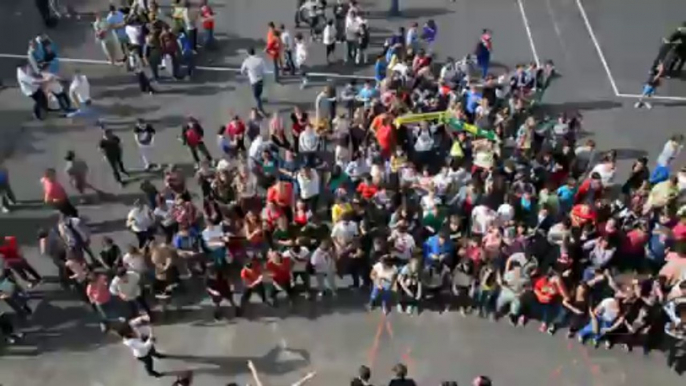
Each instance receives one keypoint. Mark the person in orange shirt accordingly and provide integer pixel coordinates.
(383, 128)
(273, 48)
(281, 194)
(367, 188)
(253, 281)
(55, 195)
(547, 290)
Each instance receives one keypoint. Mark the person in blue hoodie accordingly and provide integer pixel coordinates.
(187, 55)
(429, 34)
(438, 249)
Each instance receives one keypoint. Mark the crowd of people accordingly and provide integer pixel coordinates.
(490, 208)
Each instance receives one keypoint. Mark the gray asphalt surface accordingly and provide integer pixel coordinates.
(65, 346)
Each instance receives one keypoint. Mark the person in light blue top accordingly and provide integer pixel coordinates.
(566, 193)
(380, 68)
(366, 93)
(117, 22)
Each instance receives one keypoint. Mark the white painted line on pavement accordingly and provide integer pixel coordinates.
(528, 32)
(201, 68)
(582, 10)
(655, 97)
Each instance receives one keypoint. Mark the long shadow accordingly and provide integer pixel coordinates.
(276, 361)
(557, 108)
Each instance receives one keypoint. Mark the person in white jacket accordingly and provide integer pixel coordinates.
(329, 40)
(300, 58)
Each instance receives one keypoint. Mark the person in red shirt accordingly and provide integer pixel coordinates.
(55, 195)
(367, 189)
(280, 271)
(17, 263)
(234, 135)
(547, 292)
(253, 281)
(281, 194)
(383, 128)
(207, 16)
(273, 48)
(192, 136)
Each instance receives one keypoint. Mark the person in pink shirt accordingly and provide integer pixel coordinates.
(100, 299)
(679, 230)
(55, 195)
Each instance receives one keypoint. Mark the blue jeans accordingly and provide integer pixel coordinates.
(384, 293)
(587, 332)
(208, 39)
(484, 300)
(508, 298)
(257, 88)
(659, 174)
(548, 312)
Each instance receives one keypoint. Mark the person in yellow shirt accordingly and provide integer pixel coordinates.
(339, 209)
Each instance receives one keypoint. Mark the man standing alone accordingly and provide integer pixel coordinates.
(255, 68)
(110, 145)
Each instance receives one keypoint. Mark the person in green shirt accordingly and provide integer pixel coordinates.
(283, 236)
(433, 220)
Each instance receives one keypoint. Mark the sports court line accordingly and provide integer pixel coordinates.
(201, 68)
(594, 39)
(528, 32)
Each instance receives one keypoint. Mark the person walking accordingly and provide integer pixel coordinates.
(207, 17)
(483, 52)
(6, 193)
(31, 86)
(141, 221)
(654, 80)
(273, 48)
(55, 195)
(329, 40)
(137, 67)
(254, 68)
(192, 136)
(76, 236)
(80, 95)
(126, 285)
(144, 134)
(288, 46)
(300, 58)
(108, 40)
(137, 335)
(15, 260)
(110, 146)
(77, 171)
(13, 295)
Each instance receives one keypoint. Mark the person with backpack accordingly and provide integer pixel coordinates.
(76, 236)
(192, 136)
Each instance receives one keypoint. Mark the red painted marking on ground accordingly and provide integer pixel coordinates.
(389, 328)
(374, 348)
(407, 358)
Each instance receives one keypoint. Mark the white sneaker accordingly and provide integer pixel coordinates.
(400, 308)
(5, 209)
(637, 105)
(648, 105)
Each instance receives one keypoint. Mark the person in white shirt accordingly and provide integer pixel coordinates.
(324, 265)
(352, 30)
(80, 94)
(300, 58)
(329, 40)
(137, 335)
(344, 235)
(402, 242)
(383, 275)
(134, 261)
(141, 221)
(255, 68)
(308, 182)
(126, 285)
(308, 144)
(300, 258)
(288, 46)
(31, 86)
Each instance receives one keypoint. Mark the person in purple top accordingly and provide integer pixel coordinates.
(429, 34)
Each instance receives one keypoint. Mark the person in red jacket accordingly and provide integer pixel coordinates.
(17, 263)
(590, 190)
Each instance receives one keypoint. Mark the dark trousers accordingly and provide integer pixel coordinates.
(117, 167)
(40, 105)
(17, 302)
(203, 149)
(23, 269)
(136, 305)
(44, 10)
(148, 362)
(7, 195)
(257, 89)
(193, 36)
(247, 293)
(66, 208)
(359, 271)
(290, 65)
(304, 277)
(144, 82)
(285, 287)
(143, 237)
(63, 101)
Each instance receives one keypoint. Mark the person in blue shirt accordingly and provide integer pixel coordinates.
(380, 68)
(438, 249)
(429, 34)
(473, 100)
(187, 54)
(189, 245)
(6, 191)
(366, 93)
(566, 193)
(117, 22)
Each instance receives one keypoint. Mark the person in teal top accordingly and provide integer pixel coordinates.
(566, 193)
(339, 181)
